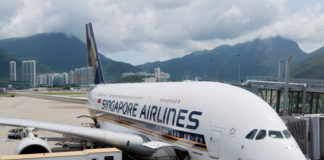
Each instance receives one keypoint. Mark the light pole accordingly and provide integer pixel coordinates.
(280, 70)
(211, 68)
(286, 87)
(256, 67)
(238, 69)
(217, 67)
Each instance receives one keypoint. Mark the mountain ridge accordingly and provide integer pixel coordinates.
(312, 67)
(60, 53)
(258, 55)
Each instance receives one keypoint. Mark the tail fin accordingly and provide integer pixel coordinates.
(93, 56)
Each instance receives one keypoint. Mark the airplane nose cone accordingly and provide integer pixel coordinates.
(287, 155)
(296, 156)
(292, 153)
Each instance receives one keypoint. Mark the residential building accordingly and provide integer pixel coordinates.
(86, 77)
(161, 76)
(76, 76)
(42, 79)
(157, 73)
(29, 71)
(71, 75)
(150, 80)
(158, 76)
(65, 78)
(127, 74)
(80, 76)
(57, 79)
(12, 72)
(164, 77)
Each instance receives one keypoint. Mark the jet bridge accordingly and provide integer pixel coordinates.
(304, 96)
(308, 131)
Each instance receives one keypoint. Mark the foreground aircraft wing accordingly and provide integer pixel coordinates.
(81, 100)
(129, 142)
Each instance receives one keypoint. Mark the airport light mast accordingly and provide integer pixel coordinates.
(238, 68)
(287, 75)
(256, 67)
(280, 70)
(217, 67)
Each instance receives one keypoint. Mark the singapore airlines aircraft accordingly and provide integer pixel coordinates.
(174, 120)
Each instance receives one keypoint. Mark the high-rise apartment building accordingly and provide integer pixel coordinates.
(157, 72)
(76, 76)
(12, 72)
(158, 76)
(81, 76)
(65, 78)
(29, 71)
(42, 79)
(86, 76)
(71, 77)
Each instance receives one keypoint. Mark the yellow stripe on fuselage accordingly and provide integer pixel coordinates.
(149, 131)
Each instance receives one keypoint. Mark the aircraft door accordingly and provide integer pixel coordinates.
(214, 144)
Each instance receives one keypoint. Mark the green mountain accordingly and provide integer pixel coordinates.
(60, 53)
(4, 65)
(56, 50)
(312, 67)
(113, 70)
(257, 57)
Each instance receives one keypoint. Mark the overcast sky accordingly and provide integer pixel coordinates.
(139, 31)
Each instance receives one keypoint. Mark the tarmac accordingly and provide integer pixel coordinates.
(38, 109)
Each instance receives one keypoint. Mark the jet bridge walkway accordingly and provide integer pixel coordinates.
(305, 96)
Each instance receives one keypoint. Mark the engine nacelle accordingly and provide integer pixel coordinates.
(32, 144)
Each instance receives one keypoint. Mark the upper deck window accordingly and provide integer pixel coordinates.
(262, 133)
(251, 134)
(275, 134)
(286, 133)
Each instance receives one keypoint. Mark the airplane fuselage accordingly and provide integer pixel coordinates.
(209, 120)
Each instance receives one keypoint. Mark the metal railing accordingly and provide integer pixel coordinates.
(311, 83)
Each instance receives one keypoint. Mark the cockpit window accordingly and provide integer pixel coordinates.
(262, 133)
(286, 133)
(251, 134)
(275, 134)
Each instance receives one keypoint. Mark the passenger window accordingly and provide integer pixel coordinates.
(286, 133)
(275, 134)
(251, 134)
(262, 133)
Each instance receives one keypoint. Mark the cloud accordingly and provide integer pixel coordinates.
(138, 31)
(304, 27)
(8, 9)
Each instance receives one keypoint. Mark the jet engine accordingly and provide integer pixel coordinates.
(32, 144)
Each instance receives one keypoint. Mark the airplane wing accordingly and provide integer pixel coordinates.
(81, 100)
(129, 142)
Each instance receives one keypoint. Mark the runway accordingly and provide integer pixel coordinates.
(38, 109)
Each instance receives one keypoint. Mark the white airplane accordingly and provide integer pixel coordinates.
(174, 120)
